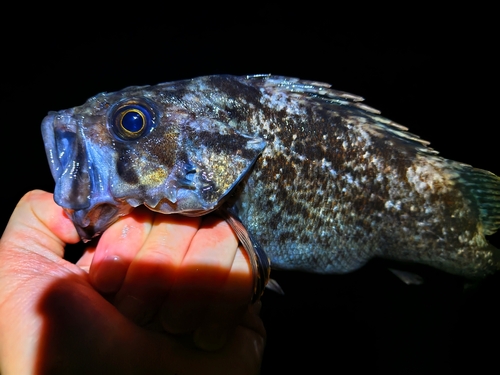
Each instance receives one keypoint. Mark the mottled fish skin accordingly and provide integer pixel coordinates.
(323, 182)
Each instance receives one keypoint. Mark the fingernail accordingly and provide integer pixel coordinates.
(210, 338)
(110, 274)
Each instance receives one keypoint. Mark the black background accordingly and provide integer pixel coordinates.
(432, 70)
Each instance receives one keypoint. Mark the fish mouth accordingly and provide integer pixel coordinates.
(80, 188)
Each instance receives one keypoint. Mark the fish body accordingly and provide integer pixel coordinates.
(320, 180)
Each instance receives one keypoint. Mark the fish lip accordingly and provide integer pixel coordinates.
(54, 122)
(49, 140)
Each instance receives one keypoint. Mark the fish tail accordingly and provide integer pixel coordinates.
(484, 189)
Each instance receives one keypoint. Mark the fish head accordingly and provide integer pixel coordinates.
(142, 146)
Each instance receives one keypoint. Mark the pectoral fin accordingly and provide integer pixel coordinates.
(261, 265)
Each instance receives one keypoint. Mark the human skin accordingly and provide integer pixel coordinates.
(158, 293)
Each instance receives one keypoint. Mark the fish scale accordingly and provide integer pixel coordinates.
(320, 181)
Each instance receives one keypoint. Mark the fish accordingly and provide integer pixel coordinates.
(309, 177)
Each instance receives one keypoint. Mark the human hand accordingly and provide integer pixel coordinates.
(159, 288)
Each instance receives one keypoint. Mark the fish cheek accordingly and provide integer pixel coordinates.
(142, 168)
(126, 170)
(163, 150)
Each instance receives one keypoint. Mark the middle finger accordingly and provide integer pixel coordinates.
(201, 276)
(153, 270)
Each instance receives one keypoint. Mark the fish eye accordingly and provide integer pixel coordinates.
(132, 120)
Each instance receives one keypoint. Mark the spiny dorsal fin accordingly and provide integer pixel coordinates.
(324, 92)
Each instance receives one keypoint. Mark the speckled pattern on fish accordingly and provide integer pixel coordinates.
(323, 182)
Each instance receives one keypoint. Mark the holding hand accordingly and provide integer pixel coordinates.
(163, 294)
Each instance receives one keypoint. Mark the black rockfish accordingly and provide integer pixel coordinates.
(321, 181)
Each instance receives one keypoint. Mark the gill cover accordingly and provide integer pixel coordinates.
(210, 161)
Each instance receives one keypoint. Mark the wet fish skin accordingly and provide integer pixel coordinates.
(323, 182)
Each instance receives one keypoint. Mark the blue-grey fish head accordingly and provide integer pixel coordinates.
(142, 145)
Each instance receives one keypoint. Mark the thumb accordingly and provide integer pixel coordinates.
(39, 225)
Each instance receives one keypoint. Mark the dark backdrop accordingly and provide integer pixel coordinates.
(433, 71)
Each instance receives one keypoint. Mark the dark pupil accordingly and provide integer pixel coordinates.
(132, 121)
